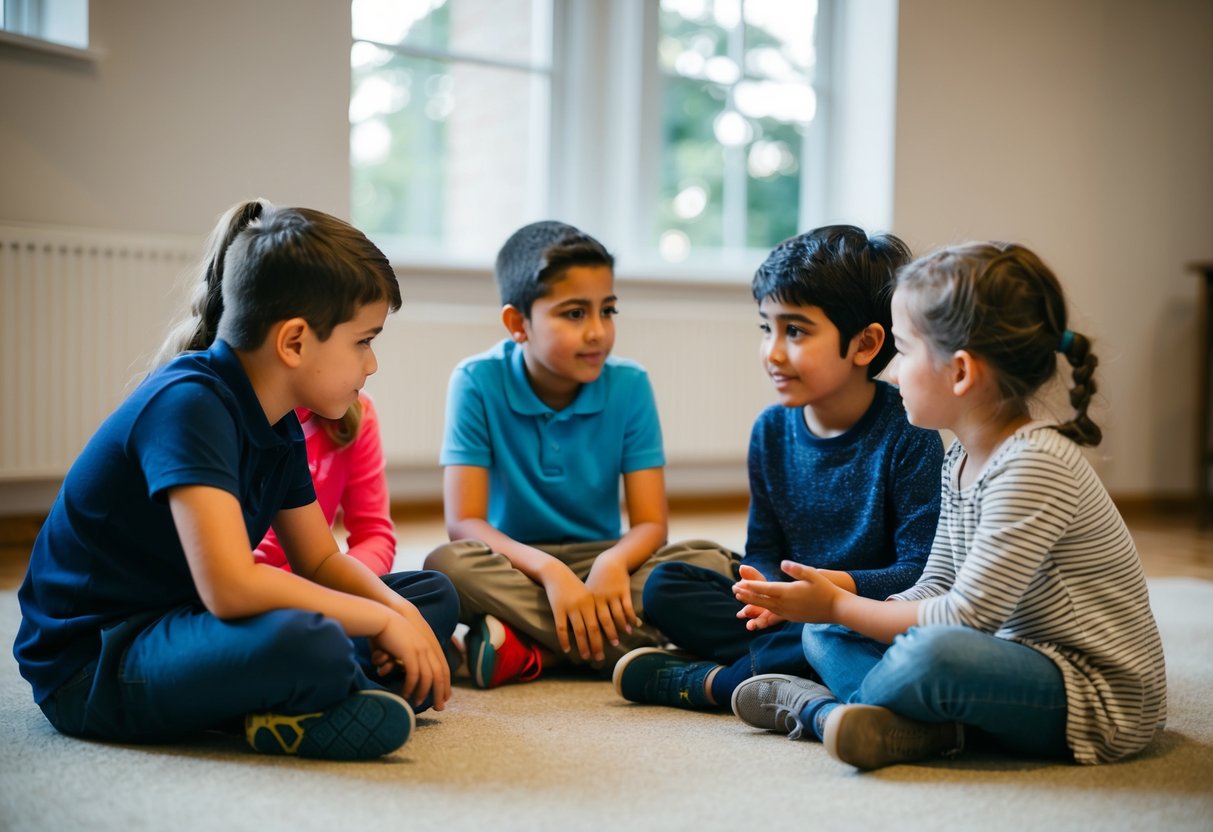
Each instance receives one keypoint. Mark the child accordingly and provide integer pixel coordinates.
(145, 616)
(1031, 623)
(345, 457)
(838, 477)
(539, 430)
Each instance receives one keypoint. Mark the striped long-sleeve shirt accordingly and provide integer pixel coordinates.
(1036, 552)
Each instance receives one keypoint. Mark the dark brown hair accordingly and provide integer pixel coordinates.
(1000, 302)
(265, 264)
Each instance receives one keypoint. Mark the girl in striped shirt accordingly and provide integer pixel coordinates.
(1031, 624)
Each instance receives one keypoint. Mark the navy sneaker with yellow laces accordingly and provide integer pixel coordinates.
(365, 725)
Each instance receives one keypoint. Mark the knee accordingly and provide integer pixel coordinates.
(433, 594)
(663, 582)
(819, 640)
(442, 609)
(930, 652)
(455, 557)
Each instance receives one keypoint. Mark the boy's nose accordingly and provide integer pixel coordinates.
(372, 364)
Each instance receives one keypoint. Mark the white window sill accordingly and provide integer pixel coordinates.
(725, 270)
(21, 43)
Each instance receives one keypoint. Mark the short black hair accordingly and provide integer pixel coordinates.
(846, 273)
(537, 254)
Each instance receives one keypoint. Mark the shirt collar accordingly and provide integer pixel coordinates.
(521, 397)
(260, 432)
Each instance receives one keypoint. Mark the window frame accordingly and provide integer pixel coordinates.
(603, 134)
(12, 39)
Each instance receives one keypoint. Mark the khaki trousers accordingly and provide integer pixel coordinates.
(488, 584)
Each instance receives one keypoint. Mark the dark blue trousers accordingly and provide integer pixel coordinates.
(696, 610)
(164, 675)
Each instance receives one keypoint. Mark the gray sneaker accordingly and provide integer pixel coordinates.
(869, 737)
(773, 701)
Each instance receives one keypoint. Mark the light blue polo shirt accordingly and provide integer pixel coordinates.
(554, 475)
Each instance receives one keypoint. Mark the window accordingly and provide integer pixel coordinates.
(737, 107)
(62, 22)
(449, 121)
(689, 135)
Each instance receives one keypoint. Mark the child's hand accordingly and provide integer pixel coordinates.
(611, 584)
(809, 598)
(759, 618)
(573, 605)
(408, 642)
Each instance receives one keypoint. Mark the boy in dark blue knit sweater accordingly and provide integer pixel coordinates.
(839, 480)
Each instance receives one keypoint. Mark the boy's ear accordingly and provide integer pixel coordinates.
(288, 338)
(515, 322)
(868, 343)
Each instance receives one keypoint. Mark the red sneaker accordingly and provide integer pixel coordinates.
(497, 654)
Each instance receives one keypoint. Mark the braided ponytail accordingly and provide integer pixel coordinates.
(1077, 350)
(999, 301)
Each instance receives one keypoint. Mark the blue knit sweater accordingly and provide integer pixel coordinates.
(865, 502)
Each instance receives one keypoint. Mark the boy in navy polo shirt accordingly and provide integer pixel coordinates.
(539, 431)
(144, 615)
(839, 479)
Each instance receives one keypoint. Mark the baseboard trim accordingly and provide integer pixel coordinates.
(21, 529)
(1134, 506)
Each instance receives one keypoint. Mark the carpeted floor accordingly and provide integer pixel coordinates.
(567, 754)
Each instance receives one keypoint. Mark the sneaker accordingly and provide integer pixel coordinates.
(662, 677)
(775, 701)
(496, 654)
(869, 737)
(368, 724)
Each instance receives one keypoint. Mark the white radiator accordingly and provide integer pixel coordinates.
(81, 313)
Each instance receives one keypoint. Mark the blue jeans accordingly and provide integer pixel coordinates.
(1011, 693)
(695, 608)
(164, 675)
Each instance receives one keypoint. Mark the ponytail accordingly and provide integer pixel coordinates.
(1077, 350)
(197, 331)
(343, 431)
(999, 301)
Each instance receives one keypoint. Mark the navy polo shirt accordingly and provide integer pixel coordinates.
(553, 474)
(109, 550)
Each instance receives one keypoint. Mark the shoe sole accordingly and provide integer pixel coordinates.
(490, 635)
(859, 736)
(367, 725)
(627, 659)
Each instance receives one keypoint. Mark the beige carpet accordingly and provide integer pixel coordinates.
(566, 754)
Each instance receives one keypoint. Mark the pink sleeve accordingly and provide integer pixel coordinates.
(269, 552)
(365, 505)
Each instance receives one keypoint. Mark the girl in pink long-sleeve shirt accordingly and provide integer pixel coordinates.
(346, 460)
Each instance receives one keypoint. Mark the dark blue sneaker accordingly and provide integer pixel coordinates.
(368, 724)
(660, 677)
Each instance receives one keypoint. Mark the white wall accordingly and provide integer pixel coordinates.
(192, 107)
(1084, 129)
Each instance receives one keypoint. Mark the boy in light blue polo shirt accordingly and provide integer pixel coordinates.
(540, 430)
